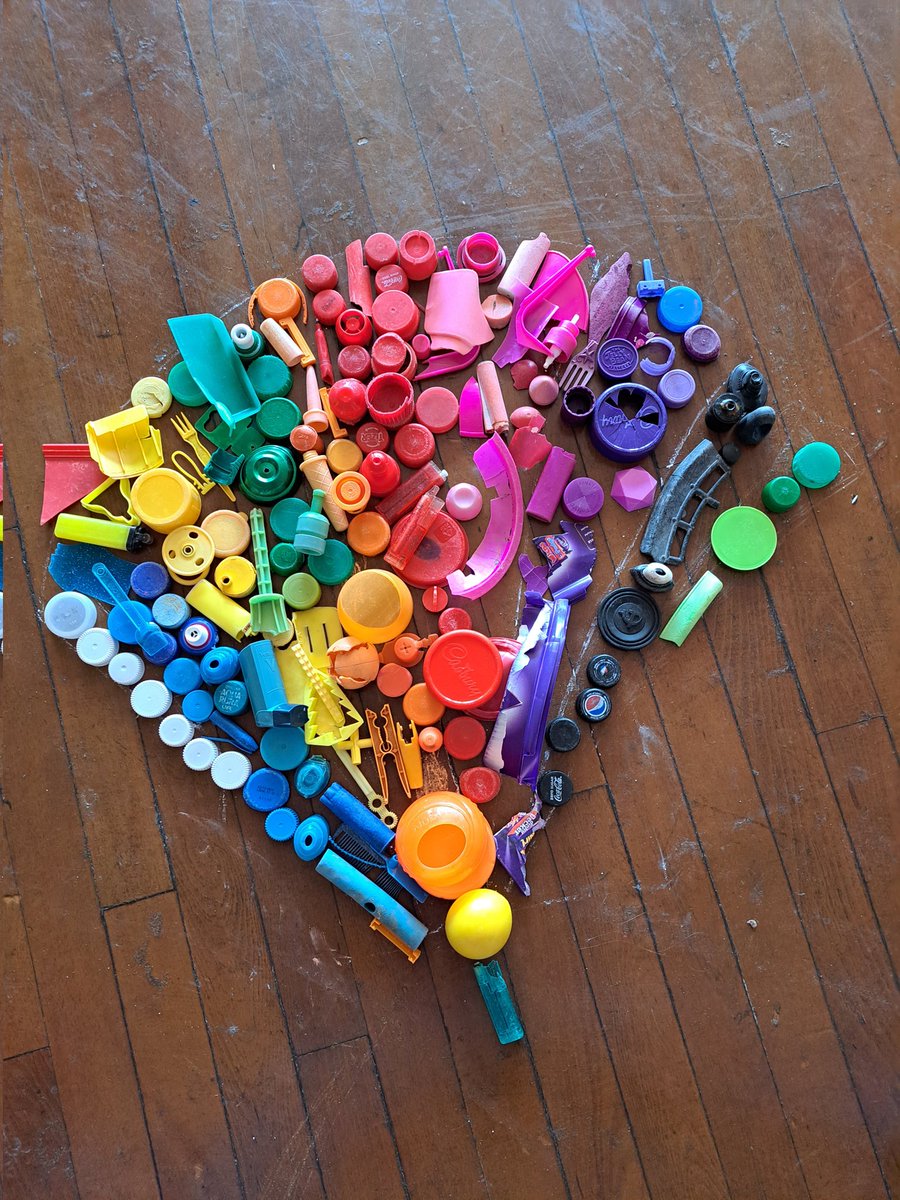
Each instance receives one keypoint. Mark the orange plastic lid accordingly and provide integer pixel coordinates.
(351, 491)
(393, 680)
(463, 668)
(343, 454)
(369, 534)
(464, 738)
(431, 739)
(421, 706)
(229, 530)
(445, 844)
(375, 606)
(304, 437)
(278, 298)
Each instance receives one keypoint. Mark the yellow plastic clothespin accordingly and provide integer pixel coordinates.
(411, 754)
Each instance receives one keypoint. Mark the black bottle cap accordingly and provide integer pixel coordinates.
(604, 671)
(754, 426)
(563, 734)
(724, 413)
(628, 619)
(555, 788)
(593, 704)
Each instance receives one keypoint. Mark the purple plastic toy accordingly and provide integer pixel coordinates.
(471, 411)
(549, 488)
(582, 499)
(622, 438)
(655, 369)
(617, 359)
(631, 322)
(492, 559)
(577, 406)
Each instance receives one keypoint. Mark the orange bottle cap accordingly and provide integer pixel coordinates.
(463, 668)
(394, 680)
(229, 530)
(342, 455)
(351, 491)
(369, 534)
(375, 606)
(279, 299)
(422, 706)
(431, 739)
(304, 437)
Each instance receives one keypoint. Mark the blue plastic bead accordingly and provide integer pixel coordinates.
(283, 747)
(198, 636)
(181, 676)
(230, 698)
(281, 824)
(266, 790)
(679, 308)
(219, 665)
(311, 838)
(149, 580)
(197, 706)
(313, 777)
(170, 611)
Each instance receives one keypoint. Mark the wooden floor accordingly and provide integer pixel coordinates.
(705, 968)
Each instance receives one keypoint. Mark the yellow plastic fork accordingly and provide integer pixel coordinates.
(189, 434)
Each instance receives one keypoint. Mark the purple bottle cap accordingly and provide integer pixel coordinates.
(617, 359)
(582, 499)
(577, 405)
(623, 437)
(676, 388)
(702, 343)
(655, 369)
(631, 322)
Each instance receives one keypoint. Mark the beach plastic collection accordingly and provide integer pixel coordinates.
(293, 555)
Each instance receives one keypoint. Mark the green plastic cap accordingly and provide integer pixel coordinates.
(284, 516)
(816, 465)
(780, 494)
(270, 376)
(268, 474)
(183, 388)
(744, 538)
(301, 591)
(284, 559)
(277, 417)
(334, 565)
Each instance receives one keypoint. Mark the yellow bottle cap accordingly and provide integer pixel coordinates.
(342, 454)
(235, 576)
(187, 554)
(229, 530)
(374, 606)
(153, 394)
(164, 500)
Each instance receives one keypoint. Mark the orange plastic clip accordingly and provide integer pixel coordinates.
(411, 754)
(282, 300)
(411, 954)
(384, 746)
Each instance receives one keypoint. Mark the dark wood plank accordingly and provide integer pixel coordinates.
(874, 37)
(188, 1131)
(36, 1156)
(335, 1078)
(23, 1023)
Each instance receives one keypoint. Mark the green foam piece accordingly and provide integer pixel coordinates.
(692, 608)
(816, 465)
(744, 538)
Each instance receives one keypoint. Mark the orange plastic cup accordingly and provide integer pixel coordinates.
(445, 844)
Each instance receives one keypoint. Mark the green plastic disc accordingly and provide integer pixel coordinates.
(815, 465)
(268, 474)
(183, 388)
(283, 747)
(284, 559)
(276, 418)
(270, 376)
(744, 538)
(284, 516)
(780, 494)
(334, 566)
(301, 591)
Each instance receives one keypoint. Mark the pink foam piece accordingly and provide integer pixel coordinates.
(633, 488)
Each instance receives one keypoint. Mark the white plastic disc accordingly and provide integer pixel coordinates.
(70, 614)
(175, 730)
(151, 698)
(231, 770)
(126, 668)
(200, 754)
(96, 647)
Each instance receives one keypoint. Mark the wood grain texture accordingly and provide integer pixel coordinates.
(706, 967)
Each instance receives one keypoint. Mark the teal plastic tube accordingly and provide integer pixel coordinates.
(692, 608)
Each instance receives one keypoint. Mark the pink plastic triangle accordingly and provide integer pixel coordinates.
(69, 474)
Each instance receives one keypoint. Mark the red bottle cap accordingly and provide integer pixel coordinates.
(435, 600)
(319, 272)
(464, 738)
(437, 409)
(354, 362)
(382, 472)
(389, 399)
(479, 784)
(462, 669)
(421, 345)
(443, 549)
(347, 398)
(328, 306)
(390, 353)
(371, 437)
(380, 250)
(391, 279)
(394, 680)
(353, 328)
(395, 312)
(454, 618)
(414, 445)
(418, 254)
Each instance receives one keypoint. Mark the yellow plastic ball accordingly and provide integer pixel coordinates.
(479, 923)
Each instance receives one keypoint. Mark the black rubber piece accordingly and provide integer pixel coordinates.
(628, 619)
(563, 734)
(747, 383)
(593, 704)
(555, 788)
(604, 671)
(723, 414)
(754, 426)
(730, 453)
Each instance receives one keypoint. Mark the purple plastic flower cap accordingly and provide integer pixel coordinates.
(582, 499)
(633, 488)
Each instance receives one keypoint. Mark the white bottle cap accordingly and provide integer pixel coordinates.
(242, 336)
(126, 668)
(175, 730)
(96, 647)
(70, 614)
(231, 770)
(200, 754)
(151, 698)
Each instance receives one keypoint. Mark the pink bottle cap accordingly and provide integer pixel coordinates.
(437, 409)
(380, 250)
(464, 501)
(421, 345)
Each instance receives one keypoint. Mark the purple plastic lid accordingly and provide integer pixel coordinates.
(676, 388)
(702, 343)
(617, 359)
(631, 322)
(582, 499)
(577, 405)
(624, 438)
(655, 369)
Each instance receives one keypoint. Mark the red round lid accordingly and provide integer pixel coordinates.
(437, 409)
(389, 353)
(508, 648)
(354, 362)
(454, 618)
(319, 272)
(479, 784)
(464, 738)
(391, 278)
(328, 305)
(371, 437)
(435, 601)
(380, 250)
(414, 445)
(347, 398)
(462, 669)
(443, 550)
(395, 312)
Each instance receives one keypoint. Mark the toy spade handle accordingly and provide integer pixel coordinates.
(114, 589)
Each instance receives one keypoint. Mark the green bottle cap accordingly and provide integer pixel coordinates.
(743, 538)
(254, 350)
(301, 590)
(183, 388)
(333, 566)
(284, 515)
(276, 418)
(815, 465)
(284, 559)
(268, 474)
(780, 494)
(270, 376)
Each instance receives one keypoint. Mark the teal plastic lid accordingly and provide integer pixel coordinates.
(270, 376)
(816, 465)
(301, 591)
(277, 417)
(269, 473)
(334, 565)
(743, 538)
(283, 517)
(283, 747)
(284, 559)
(183, 388)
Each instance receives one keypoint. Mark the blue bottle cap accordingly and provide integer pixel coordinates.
(266, 790)
(311, 838)
(283, 747)
(219, 665)
(334, 565)
(120, 626)
(181, 676)
(231, 698)
(149, 580)
(281, 824)
(197, 706)
(197, 636)
(679, 308)
(313, 777)
(169, 611)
